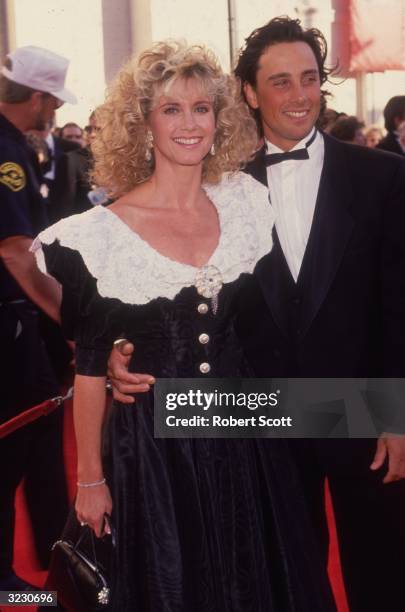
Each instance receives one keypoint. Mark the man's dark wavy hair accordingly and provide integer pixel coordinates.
(280, 30)
(394, 109)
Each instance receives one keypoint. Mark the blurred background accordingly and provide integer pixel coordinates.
(366, 37)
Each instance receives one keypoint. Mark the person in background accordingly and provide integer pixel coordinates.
(401, 135)
(349, 129)
(68, 194)
(90, 130)
(328, 118)
(72, 189)
(57, 146)
(72, 132)
(50, 149)
(373, 134)
(38, 144)
(394, 116)
(31, 89)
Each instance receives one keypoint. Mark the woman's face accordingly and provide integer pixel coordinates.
(183, 123)
(373, 138)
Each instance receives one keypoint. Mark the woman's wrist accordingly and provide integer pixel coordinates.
(87, 473)
(94, 483)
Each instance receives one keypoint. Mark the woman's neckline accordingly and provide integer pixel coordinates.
(134, 234)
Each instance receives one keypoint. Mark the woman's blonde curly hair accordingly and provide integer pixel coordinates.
(120, 145)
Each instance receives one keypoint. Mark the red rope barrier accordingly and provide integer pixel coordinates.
(32, 414)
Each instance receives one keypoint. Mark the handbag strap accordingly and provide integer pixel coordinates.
(85, 529)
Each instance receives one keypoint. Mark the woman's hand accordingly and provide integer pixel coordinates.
(91, 505)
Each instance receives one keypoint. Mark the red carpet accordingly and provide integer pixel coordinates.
(26, 564)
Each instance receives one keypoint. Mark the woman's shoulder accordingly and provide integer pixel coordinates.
(76, 230)
(85, 237)
(247, 219)
(236, 187)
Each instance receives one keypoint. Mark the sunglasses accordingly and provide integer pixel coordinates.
(57, 103)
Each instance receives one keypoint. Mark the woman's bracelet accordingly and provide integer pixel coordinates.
(85, 485)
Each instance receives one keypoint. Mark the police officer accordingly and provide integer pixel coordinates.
(31, 89)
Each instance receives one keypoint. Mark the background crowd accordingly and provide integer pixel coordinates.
(65, 154)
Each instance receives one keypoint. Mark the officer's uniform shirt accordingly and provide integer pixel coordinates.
(21, 205)
(26, 376)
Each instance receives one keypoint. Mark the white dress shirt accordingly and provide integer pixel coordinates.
(293, 188)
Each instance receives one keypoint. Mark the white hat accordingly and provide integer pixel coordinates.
(41, 70)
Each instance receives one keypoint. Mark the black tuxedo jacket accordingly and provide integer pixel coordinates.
(61, 146)
(68, 194)
(391, 144)
(350, 318)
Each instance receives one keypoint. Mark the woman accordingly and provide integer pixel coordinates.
(373, 135)
(203, 525)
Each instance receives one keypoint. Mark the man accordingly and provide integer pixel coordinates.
(69, 194)
(349, 129)
(328, 301)
(31, 89)
(57, 146)
(329, 297)
(394, 118)
(72, 132)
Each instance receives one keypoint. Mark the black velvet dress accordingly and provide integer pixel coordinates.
(204, 525)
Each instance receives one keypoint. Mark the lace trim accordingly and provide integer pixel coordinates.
(128, 268)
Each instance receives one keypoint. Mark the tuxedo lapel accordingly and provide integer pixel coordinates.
(274, 277)
(331, 229)
(257, 168)
(270, 270)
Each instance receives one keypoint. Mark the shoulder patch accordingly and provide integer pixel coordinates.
(12, 176)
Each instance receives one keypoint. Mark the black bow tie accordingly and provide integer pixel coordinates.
(276, 158)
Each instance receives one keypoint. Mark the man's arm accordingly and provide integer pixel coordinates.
(43, 290)
(46, 292)
(391, 447)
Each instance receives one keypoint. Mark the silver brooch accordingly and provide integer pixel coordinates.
(104, 596)
(208, 283)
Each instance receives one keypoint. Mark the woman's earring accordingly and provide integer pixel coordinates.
(212, 150)
(149, 146)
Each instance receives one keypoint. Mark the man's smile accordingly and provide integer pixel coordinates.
(297, 114)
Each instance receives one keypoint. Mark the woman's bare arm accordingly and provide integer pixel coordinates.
(89, 410)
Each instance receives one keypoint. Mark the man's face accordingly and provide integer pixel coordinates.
(399, 120)
(44, 107)
(73, 133)
(401, 133)
(359, 138)
(287, 93)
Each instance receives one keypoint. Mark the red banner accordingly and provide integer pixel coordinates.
(377, 35)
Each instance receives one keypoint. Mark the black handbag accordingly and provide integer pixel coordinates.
(80, 567)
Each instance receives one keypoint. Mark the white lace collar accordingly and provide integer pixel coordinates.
(128, 268)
